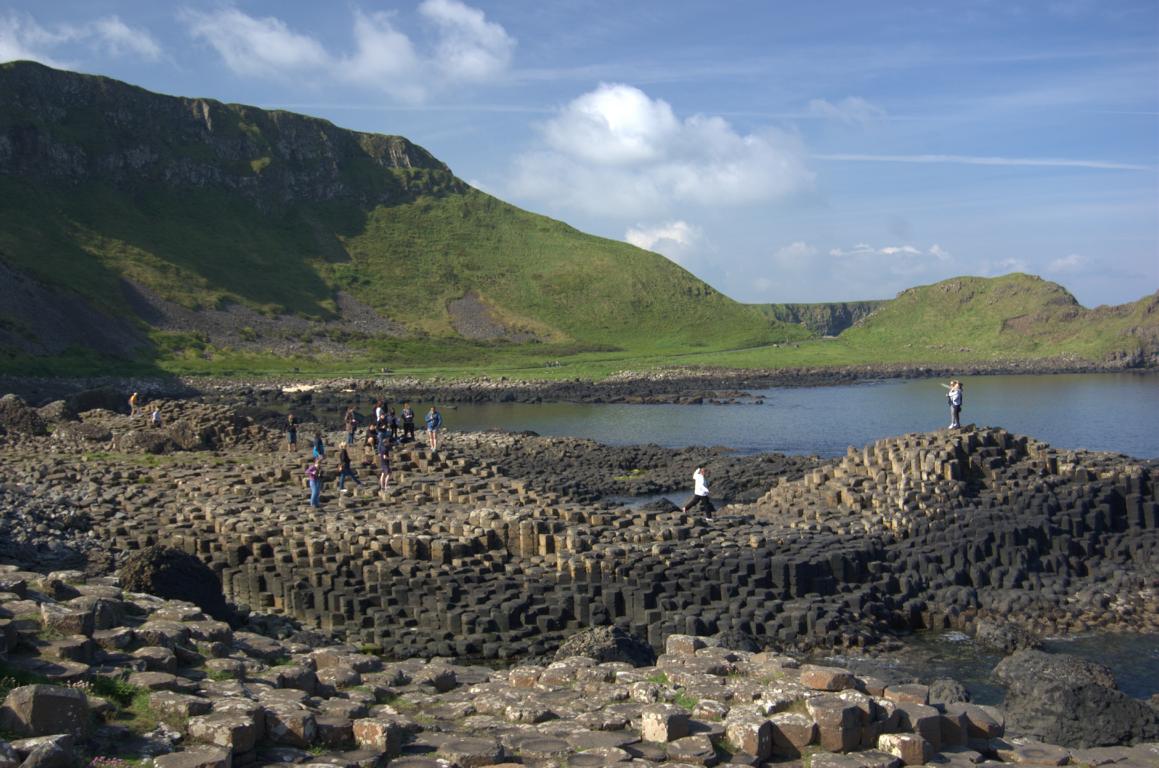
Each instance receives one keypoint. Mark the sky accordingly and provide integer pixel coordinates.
(780, 151)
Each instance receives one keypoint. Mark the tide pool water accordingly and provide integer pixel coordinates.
(1103, 412)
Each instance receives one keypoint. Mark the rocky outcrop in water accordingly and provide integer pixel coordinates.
(1065, 700)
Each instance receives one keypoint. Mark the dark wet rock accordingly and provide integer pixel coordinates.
(173, 574)
(1064, 700)
(946, 690)
(1005, 636)
(608, 644)
(17, 417)
(737, 640)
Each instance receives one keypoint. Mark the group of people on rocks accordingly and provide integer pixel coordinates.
(387, 429)
(383, 432)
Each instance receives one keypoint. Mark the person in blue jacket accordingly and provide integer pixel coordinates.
(434, 421)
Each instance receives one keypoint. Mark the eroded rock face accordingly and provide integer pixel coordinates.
(172, 574)
(608, 644)
(1062, 699)
(16, 416)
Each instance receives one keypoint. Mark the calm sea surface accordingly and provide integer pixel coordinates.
(1105, 412)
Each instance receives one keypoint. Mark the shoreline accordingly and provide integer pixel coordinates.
(685, 385)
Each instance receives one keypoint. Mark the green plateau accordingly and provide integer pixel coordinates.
(151, 234)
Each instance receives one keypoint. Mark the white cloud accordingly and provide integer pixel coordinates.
(797, 257)
(256, 47)
(118, 38)
(852, 109)
(383, 58)
(616, 151)
(22, 37)
(471, 48)
(678, 240)
(940, 253)
(1071, 264)
(466, 48)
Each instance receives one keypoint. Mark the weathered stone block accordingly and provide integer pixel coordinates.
(792, 732)
(379, 734)
(827, 678)
(922, 720)
(910, 748)
(838, 722)
(683, 645)
(663, 722)
(198, 756)
(42, 710)
(753, 736)
(290, 725)
(233, 730)
(910, 693)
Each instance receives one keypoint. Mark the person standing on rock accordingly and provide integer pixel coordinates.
(954, 397)
(345, 471)
(699, 493)
(408, 423)
(291, 433)
(319, 446)
(351, 425)
(434, 421)
(384, 465)
(314, 479)
(134, 403)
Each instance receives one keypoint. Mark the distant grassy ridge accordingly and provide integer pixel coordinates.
(107, 189)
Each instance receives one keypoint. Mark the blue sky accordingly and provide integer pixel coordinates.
(781, 151)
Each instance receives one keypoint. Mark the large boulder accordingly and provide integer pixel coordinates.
(17, 417)
(1005, 636)
(43, 710)
(1065, 700)
(173, 574)
(608, 644)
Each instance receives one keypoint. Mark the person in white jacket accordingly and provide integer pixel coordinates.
(954, 397)
(699, 493)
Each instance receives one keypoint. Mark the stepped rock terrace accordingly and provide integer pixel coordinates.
(459, 559)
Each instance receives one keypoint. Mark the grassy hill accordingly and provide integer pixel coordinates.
(168, 210)
(147, 233)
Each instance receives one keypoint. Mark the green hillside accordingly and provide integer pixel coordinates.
(177, 212)
(1012, 317)
(150, 233)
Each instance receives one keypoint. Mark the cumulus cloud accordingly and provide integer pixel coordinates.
(466, 48)
(1071, 264)
(678, 240)
(616, 151)
(470, 48)
(852, 109)
(22, 37)
(253, 46)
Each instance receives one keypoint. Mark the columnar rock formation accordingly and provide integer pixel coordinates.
(459, 559)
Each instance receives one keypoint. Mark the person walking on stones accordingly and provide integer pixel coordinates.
(291, 433)
(134, 403)
(384, 465)
(155, 419)
(314, 479)
(699, 493)
(319, 446)
(954, 397)
(345, 471)
(434, 421)
(408, 423)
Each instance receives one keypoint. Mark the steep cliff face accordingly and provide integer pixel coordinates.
(71, 128)
(824, 319)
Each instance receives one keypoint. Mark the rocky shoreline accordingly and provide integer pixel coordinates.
(498, 548)
(688, 385)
